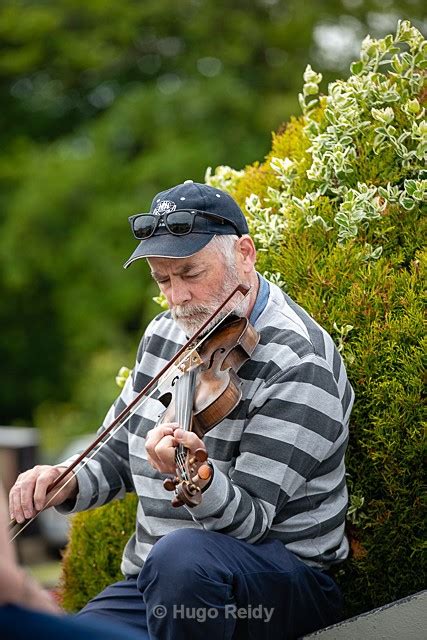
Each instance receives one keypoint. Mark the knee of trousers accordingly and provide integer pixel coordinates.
(183, 557)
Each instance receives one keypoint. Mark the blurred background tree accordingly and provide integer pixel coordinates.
(103, 105)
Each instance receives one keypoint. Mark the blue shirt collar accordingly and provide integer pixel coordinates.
(261, 299)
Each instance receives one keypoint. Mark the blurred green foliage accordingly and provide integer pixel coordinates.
(93, 555)
(104, 104)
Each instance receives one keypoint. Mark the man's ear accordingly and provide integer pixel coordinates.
(247, 253)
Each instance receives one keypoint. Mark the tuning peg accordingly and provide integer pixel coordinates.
(200, 455)
(170, 483)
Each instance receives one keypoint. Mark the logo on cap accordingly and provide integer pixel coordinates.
(164, 206)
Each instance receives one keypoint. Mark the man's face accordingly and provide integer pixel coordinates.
(194, 287)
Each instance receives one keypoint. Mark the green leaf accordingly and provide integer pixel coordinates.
(357, 67)
(410, 187)
(407, 203)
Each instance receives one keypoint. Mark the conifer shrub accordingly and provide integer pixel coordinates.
(336, 211)
(92, 558)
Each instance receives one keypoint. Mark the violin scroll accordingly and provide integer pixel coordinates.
(195, 474)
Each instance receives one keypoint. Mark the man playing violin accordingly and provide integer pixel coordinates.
(251, 558)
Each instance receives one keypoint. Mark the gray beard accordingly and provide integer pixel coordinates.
(191, 317)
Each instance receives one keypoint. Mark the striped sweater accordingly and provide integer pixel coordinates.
(278, 457)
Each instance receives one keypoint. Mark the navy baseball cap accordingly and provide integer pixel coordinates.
(227, 219)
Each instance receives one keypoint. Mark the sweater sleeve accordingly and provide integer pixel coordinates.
(105, 474)
(295, 421)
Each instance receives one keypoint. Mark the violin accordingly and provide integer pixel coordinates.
(204, 393)
(181, 357)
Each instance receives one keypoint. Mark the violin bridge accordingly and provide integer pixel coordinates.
(189, 361)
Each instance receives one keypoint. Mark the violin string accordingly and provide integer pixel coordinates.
(188, 405)
(183, 407)
(167, 377)
(178, 409)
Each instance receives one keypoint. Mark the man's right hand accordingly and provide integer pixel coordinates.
(28, 494)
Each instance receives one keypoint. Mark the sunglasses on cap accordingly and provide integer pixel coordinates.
(178, 223)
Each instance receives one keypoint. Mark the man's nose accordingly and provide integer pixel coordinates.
(180, 293)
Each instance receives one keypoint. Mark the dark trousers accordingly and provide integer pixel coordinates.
(202, 585)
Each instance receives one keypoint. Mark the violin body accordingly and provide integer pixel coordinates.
(218, 389)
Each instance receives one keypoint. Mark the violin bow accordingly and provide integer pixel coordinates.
(130, 409)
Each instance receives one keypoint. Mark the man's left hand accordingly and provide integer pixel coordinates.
(161, 444)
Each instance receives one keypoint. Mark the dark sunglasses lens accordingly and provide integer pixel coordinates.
(179, 222)
(143, 226)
